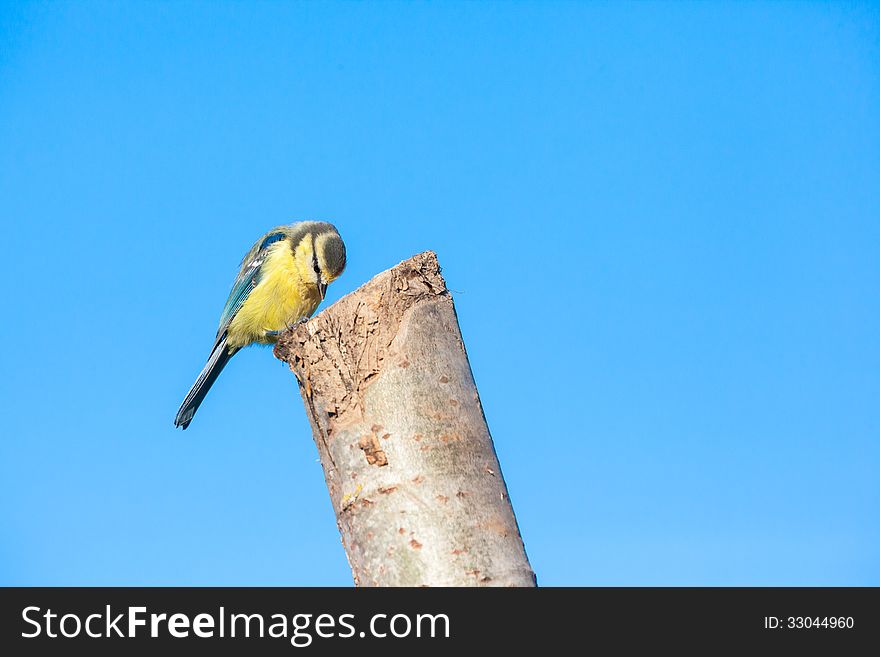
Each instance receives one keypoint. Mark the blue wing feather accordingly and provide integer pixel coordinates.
(270, 239)
(240, 291)
(247, 279)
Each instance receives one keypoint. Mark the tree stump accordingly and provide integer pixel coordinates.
(406, 451)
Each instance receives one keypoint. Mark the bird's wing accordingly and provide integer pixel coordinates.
(247, 279)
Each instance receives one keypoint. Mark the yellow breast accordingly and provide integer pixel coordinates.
(281, 298)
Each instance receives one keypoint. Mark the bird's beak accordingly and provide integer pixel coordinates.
(322, 289)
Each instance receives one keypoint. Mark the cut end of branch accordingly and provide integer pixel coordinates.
(408, 459)
(369, 318)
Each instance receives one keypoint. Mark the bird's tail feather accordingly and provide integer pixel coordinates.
(220, 355)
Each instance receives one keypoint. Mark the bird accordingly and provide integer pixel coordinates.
(281, 281)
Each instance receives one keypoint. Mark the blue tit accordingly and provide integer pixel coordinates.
(281, 282)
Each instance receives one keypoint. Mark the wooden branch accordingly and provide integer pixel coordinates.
(407, 455)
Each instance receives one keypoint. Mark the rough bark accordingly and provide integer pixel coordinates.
(407, 456)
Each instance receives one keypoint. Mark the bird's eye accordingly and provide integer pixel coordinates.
(315, 266)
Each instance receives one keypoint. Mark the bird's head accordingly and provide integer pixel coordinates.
(325, 252)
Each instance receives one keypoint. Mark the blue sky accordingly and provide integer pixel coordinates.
(661, 224)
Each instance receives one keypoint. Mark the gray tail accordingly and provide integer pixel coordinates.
(220, 355)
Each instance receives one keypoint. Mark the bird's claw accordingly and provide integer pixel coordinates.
(275, 334)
